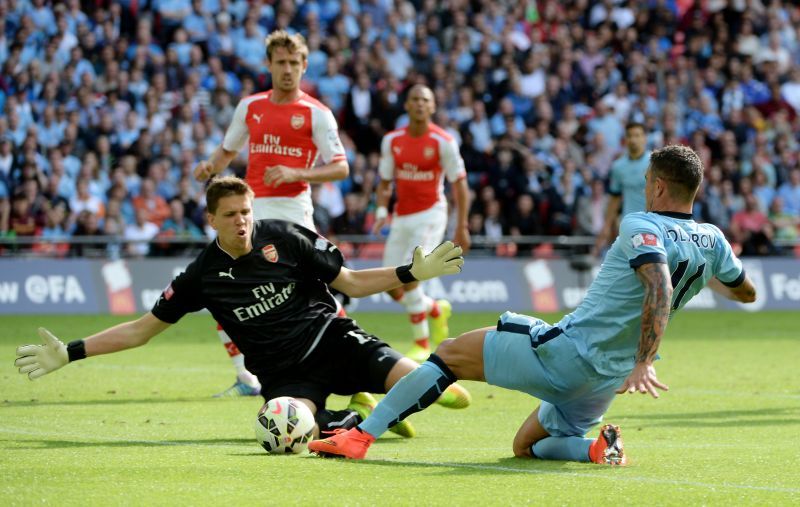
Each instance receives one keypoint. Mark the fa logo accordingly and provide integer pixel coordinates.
(257, 118)
(229, 274)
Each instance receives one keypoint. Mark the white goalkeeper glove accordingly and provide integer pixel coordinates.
(445, 259)
(39, 360)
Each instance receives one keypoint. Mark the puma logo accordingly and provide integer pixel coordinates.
(257, 117)
(229, 274)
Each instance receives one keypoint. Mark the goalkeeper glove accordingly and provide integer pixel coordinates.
(39, 360)
(445, 259)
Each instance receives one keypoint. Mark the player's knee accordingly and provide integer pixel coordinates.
(447, 351)
(520, 450)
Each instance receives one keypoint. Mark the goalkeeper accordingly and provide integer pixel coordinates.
(265, 283)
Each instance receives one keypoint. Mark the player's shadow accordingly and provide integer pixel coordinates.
(108, 401)
(506, 465)
(779, 416)
(33, 444)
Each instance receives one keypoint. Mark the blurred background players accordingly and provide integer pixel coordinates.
(417, 157)
(626, 183)
(286, 130)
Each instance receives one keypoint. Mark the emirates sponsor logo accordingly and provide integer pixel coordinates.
(272, 145)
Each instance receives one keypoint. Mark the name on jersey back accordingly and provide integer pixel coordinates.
(702, 240)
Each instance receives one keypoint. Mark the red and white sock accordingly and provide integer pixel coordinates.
(414, 301)
(237, 358)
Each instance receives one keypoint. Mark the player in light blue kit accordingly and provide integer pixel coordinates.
(625, 182)
(660, 259)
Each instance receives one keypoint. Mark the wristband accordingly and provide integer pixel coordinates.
(76, 349)
(404, 274)
(381, 212)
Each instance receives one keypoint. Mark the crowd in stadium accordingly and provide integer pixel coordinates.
(108, 106)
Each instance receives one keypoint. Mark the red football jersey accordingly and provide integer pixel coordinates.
(291, 134)
(417, 165)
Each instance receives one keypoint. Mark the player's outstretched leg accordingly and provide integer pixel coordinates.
(440, 311)
(246, 383)
(365, 403)
(413, 393)
(352, 443)
(608, 449)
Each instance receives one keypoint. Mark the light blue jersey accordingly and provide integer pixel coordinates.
(627, 180)
(606, 326)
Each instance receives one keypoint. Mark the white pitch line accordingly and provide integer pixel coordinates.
(614, 477)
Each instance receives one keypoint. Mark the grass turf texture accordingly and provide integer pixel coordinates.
(140, 427)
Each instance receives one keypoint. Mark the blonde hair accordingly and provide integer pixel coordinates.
(224, 187)
(282, 39)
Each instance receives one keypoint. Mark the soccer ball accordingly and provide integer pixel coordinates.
(284, 425)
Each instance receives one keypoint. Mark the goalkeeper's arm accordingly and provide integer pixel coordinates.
(52, 354)
(445, 259)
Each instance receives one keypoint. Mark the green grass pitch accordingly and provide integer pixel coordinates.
(140, 427)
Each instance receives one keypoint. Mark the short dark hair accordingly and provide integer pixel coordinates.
(635, 125)
(225, 187)
(681, 167)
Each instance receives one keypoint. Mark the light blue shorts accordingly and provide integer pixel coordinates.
(528, 355)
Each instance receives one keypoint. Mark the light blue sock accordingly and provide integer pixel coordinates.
(563, 448)
(411, 394)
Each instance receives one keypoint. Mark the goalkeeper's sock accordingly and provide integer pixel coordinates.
(237, 358)
(329, 420)
(411, 394)
(562, 448)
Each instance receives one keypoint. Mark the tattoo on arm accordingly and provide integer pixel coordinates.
(655, 308)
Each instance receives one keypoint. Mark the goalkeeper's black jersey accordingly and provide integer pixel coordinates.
(272, 302)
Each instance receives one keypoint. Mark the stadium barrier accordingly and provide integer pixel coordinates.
(131, 286)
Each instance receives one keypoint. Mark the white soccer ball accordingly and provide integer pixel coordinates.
(284, 425)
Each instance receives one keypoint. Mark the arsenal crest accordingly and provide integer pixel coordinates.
(270, 253)
(428, 152)
(297, 121)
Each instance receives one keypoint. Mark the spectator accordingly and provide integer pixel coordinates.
(786, 225)
(353, 220)
(85, 201)
(590, 210)
(525, 220)
(751, 228)
(177, 226)
(87, 229)
(789, 193)
(139, 234)
(154, 208)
